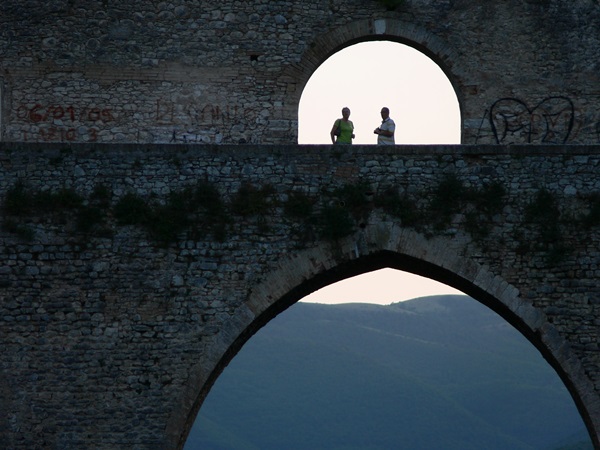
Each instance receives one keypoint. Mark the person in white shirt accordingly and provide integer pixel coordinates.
(385, 131)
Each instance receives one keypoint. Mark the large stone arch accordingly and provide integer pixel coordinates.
(385, 245)
(382, 29)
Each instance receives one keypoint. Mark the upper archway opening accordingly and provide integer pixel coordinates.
(369, 75)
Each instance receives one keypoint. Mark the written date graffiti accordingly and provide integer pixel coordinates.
(54, 116)
(39, 113)
(168, 113)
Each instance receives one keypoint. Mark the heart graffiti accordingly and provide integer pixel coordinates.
(550, 122)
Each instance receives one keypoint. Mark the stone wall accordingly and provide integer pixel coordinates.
(118, 310)
(233, 72)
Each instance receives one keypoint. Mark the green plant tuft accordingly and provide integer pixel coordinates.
(89, 217)
(209, 212)
(489, 200)
(65, 198)
(355, 198)
(399, 206)
(335, 223)
(391, 5)
(132, 209)
(446, 200)
(166, 222)
(486, 202)
(592, 218)
(543, 212)
(101, 196)
(250, 201)
(298, 206)
(543, 215)
(18, 200)
(22, 231)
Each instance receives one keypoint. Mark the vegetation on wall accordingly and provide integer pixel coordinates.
(485, 203)
(446, 200)
(198, 211)
(298, 206)
(434, 212)
(391, 5)
(543, 212)
(20, 201)
(57, 206)
(400, 206)
(252, 202)
(543, 218)
(592, 217)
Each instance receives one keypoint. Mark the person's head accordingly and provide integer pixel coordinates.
(385, 113)
(345, 112)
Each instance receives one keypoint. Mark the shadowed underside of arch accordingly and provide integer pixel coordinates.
(388, 245)
(378, 29)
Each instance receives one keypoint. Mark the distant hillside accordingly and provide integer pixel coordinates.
(438, 372)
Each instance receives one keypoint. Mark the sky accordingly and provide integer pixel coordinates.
(365, 77)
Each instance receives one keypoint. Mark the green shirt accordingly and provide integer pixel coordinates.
(347, 128)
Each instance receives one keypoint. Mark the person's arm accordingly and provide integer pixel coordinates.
(388, 133)
(383, 132)
(333, 130)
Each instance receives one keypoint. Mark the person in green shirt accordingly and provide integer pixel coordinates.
(342, 131)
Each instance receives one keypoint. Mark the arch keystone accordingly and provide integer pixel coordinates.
(380, 26)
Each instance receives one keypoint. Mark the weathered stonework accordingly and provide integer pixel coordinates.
(232, 72)
(111, 339)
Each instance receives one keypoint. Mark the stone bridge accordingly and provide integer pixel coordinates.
(132, 274)
(134, 267)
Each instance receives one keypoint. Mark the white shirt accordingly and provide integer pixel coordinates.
(387, 125)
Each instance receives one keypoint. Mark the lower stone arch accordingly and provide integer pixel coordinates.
(387, 246)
